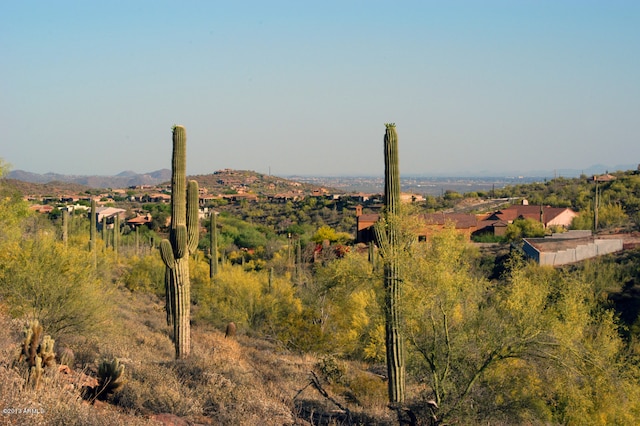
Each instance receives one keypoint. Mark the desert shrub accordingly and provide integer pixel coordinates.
(258, 306)
(13, 210)
(584, 220)
(144, 273)
(346, 291)
(368, 390)
(157, 388)
(524, 228)
(56, 405)
(41, 279)
(331, 369)
(198, 277)
(611, 216)
(326, 233)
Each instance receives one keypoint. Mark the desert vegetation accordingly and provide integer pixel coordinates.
(480, 339)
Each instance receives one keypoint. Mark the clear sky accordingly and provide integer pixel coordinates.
(305, 87)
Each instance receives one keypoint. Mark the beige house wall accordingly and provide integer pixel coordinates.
(563, 219)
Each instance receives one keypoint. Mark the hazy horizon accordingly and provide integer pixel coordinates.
(304, 88)
(569, 173)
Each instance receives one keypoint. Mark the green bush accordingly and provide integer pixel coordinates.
(41, 279)
(144, 273)
(524, 228)
(257, 306)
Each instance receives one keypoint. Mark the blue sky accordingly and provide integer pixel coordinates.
(305, 87)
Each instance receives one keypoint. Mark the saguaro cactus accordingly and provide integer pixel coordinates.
(65, 227)
(213, 242)
(387, 235)
(93, 226)
(93, 232)
(116, 234)
(371, 254)
(183, 239)
(104, 232)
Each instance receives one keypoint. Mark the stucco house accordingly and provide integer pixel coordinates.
(464, 223)
(109, 213)
(495, 223)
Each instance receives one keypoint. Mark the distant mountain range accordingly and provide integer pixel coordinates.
(121, 180)
(130, 178)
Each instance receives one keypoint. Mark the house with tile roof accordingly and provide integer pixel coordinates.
(433, 222)
(495, 223)
(139, 220)
(109, 213)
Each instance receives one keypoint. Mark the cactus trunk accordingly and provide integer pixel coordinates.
(183, 239)
(116, 234)
(213, 249)
(372, 255)
(93, 226)
(388, 241)
(104, 232)
(65, 227)
(93, 231)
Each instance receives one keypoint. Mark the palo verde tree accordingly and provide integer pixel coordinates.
(183, 239)
(389, 241)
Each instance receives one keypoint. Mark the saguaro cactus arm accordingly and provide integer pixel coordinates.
(193, 221)
(166, 253)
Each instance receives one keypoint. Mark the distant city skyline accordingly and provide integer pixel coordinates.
(304, 88)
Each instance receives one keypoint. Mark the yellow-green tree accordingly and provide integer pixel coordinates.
(12, 208)
(327, 233)
(258, 304)
(42, 279)
(348, 296)
(524, 228)
(535, 347)
(612, 215)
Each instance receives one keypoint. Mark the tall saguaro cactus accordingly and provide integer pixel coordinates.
(93, 226)
(104, 232)
(93, 231)
(387, 235)
(65, 227)
(116, 234)
(213, 242)
(183, 239)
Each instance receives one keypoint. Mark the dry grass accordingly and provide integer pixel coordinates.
(224, 382)
(54, 402)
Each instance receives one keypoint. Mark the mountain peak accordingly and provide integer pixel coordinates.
(122, 180)
(126, 173)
